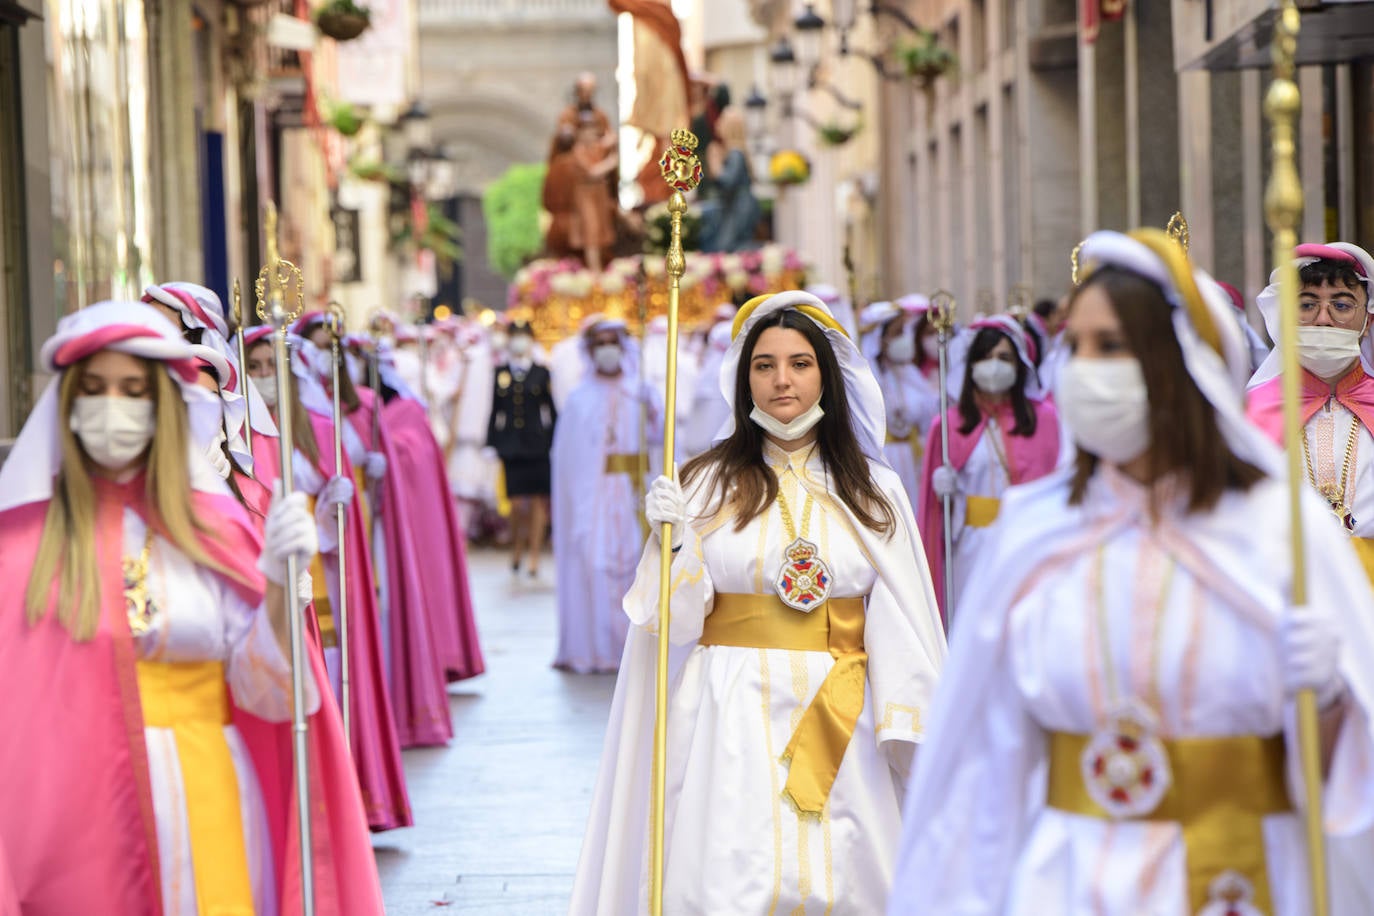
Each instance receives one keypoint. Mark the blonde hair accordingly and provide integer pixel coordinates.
(67, 548)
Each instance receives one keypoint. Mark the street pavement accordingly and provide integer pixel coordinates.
(499, 813)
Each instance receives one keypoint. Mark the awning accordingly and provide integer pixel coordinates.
(13, 12)
(1237, 34)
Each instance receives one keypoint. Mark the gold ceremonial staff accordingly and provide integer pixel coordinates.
(1178, 230)
(243, 369)
(682, 170)
(1282, 207)
(334, 324)
(280, 281)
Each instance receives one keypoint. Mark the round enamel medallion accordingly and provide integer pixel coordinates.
(1230, 894)
(803, 583)
(1125, 767)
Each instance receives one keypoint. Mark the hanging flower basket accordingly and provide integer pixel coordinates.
(836, 134)
(789, 167)
(343, 20)
(926, 59)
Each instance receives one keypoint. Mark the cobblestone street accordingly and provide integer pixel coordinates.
(499, 814)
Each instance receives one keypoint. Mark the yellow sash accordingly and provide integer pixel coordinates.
(1222, 789)
(918, 448)
(1364, 549)
(981, 511)
(817, 747)
(324, 611)
(637, 466)
(191, 699)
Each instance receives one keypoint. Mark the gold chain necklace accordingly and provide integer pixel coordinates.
(138, 603)
(803, 582)
(1335, 495)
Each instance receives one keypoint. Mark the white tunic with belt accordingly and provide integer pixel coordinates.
(198, 617)
(735, 843)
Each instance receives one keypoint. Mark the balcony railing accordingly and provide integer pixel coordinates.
(438, 12)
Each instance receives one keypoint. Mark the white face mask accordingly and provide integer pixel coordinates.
(797, 427)
(1328, 352)
(267, 387)
(930, 345)
(901, 350)
(994, 376)
(520, 345)
(607, 358)
(1106, 406)
(499, 341)
(113, 430)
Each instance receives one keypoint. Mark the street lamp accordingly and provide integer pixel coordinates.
(756, 111)
(785, 71)
(809, 26)
(414, 123)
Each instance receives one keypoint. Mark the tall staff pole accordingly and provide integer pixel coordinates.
(333, 322)
(942, 317)
(243, 369)
(682, 170)
(278, 283)
(1282, 209)
(374, 371)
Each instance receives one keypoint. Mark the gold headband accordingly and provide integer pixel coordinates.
(1167, 249)
(820, 316)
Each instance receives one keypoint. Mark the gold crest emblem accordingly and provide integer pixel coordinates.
(503, 379)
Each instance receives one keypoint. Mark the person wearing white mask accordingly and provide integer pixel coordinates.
(807, 646)
(889, 343)
(1115, 733)
(1002, 432)
(521, 430)
(599, 472)
(1337, 387)
(145, 622)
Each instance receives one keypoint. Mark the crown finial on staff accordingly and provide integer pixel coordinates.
(1073, 263)
(942, 306)
(279, 282)
(682, 171)
(1178, 230)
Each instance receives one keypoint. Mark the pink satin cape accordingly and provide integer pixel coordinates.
(421, 478)
(418, 696)
(1354, 392)
(77, 828)
(1028, 458)
(376, 745)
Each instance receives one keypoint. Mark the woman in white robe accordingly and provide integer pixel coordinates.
(1116, 732)
(912, 402)
(758, 819)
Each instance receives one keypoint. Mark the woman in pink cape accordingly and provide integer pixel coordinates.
(1001, 433)
(139, 638)
(416, 470)
(375, 746)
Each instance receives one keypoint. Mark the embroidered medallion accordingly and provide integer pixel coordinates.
(1125, 767)
(503, 379)
(803, 583)
(138, 602)
(1230, 894)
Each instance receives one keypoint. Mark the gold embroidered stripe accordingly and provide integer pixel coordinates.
(1364, 549)
(1222, 789)
(818, 745)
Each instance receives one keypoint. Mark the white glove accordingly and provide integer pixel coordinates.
(337, 491)
(945, 481)
(665, 503)
(218, 460)
(305, 585)
(489, 453)
(289, 532)
(374, 465)
(1309, 651)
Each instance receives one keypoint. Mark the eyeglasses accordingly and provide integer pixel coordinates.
(1336, 309)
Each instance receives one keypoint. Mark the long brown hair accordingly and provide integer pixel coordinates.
(1184, 436)
(741, 482)
(67, 548)
(302, 431)
(970, 413)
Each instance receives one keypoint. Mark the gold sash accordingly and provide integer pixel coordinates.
(636, 464)
(191, 699)
(324, 611)
(1222, 789)
(1364, 549)
(817, 747)
(914, 439)
(981, 511)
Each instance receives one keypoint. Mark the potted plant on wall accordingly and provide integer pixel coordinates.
(343, 20)
(926, 58)
(833, 133)
(788, 167)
